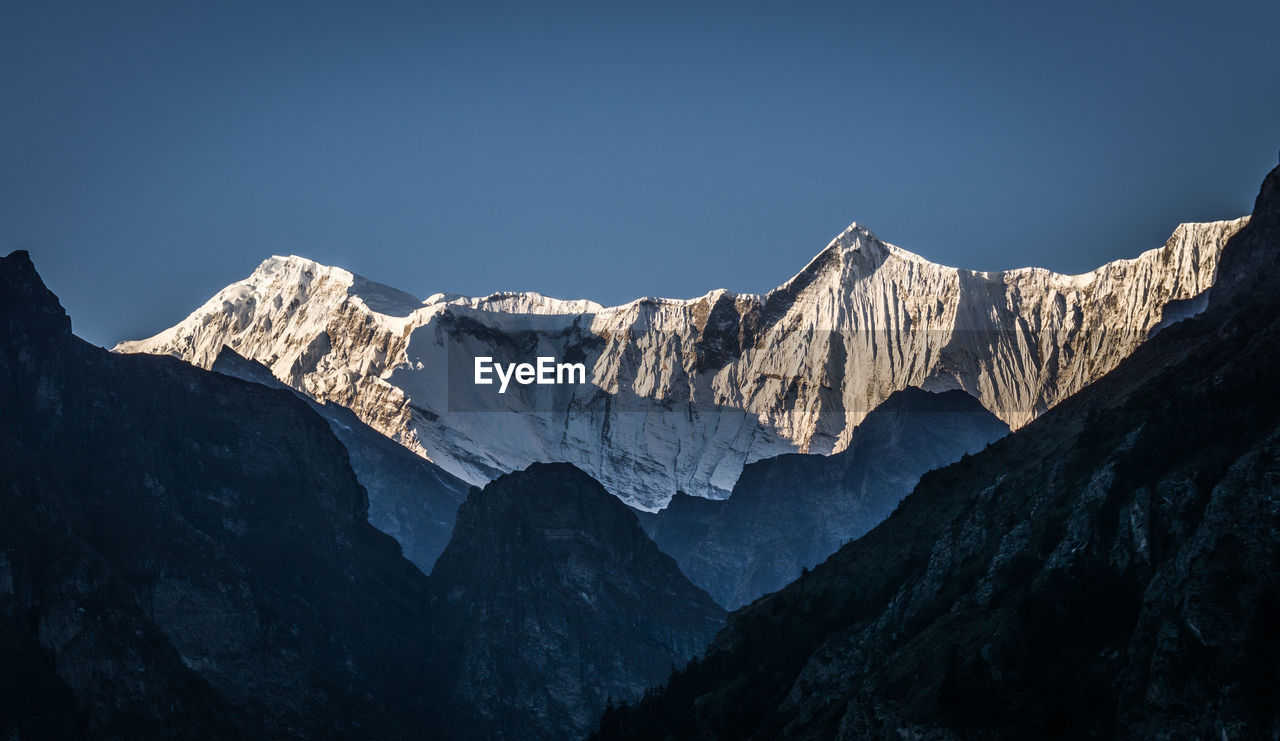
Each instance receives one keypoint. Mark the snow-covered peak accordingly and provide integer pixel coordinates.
(380, 298)
(296, 267)
(852, 256)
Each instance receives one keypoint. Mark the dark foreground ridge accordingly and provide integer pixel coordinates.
(1109, 571)
(552, 602)
(184, 554)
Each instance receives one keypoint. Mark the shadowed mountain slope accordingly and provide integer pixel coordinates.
(790, 512)
(410, 498)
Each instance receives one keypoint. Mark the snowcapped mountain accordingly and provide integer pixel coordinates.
(683, 393)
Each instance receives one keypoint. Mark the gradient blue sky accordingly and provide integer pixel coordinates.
(153, 152)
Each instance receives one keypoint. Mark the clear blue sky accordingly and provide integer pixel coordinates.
(156, 151)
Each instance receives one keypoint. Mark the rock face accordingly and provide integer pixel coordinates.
(682, 394)
(1109, 571)
(791, 512)
(410, 499)
(183, 554)
(552, 602)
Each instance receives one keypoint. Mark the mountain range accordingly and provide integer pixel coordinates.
(941, 504)
(683, 393)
